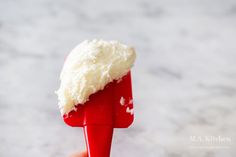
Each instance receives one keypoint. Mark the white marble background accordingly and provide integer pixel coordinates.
(184, 80)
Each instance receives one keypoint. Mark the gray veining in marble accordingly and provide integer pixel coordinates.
(184, 80)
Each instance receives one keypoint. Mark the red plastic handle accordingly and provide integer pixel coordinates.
(98, 140)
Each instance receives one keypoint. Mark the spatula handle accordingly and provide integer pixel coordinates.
(98, 140)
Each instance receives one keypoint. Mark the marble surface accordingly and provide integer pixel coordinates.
(184, 80)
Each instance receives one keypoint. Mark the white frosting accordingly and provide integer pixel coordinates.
(122, 101)
(89, 68)
(131, 111)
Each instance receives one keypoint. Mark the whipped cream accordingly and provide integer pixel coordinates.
(89, 67)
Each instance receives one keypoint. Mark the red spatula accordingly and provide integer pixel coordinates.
(107, 109)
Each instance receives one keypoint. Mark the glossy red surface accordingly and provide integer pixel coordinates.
(104, 107)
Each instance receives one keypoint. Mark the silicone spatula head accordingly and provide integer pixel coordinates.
(111, 106)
